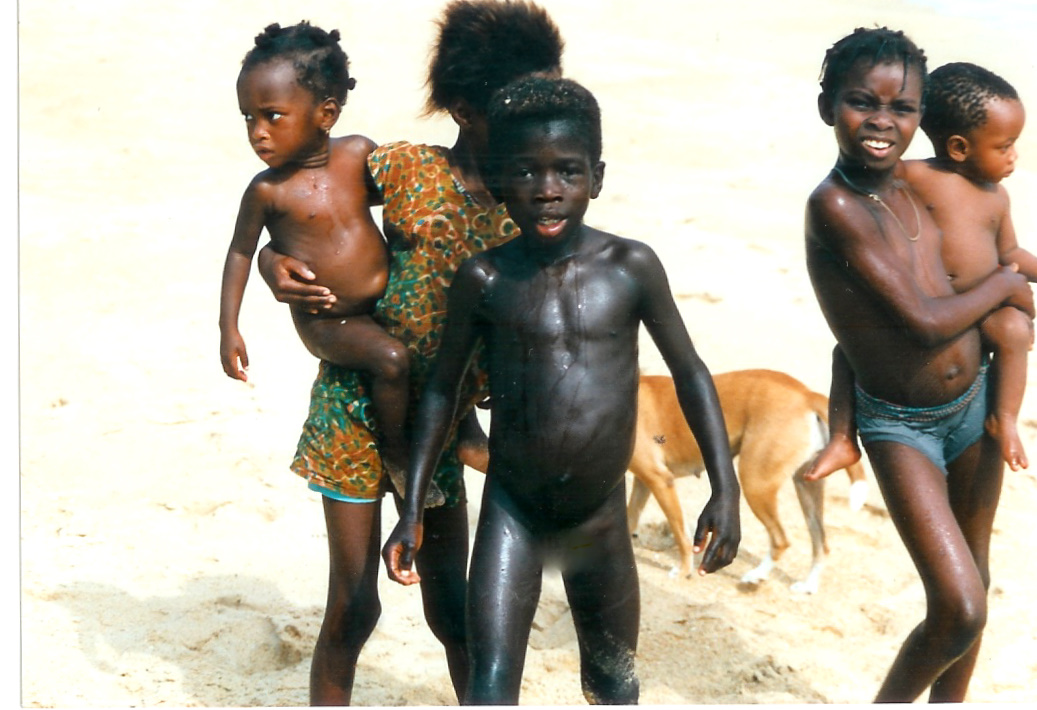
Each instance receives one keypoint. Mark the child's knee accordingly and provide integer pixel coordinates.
(348, 624)
(393, 364)
(964, 622)
(449, 629)
(1008, 328)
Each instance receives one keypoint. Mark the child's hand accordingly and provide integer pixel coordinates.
(1021, 296)
(720, 523)
(291, 281)
(399, 551)
(232, 352)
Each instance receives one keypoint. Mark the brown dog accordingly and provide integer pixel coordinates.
(775, 425)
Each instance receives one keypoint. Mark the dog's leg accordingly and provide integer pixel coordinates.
(760, 487)
(811, 500)
(638, 499)
(858, 486)
(661, 483)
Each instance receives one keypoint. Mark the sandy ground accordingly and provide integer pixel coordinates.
(168, 556)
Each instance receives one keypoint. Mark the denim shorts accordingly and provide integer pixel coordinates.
(941, 433)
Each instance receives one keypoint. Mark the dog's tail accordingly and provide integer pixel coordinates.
(858, 481)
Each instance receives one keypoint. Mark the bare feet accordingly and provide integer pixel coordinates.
(1005, 428)
(474, 454)
(838, 453)
(473, 448)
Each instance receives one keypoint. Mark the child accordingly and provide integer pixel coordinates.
(437, 212)
(560, 308)
(914, 347)
(314, 202)
(973, 118)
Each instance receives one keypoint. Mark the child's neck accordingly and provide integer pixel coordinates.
(464, 161)
(947, 164)
(317, 157)
(547, 253)
(866, 179)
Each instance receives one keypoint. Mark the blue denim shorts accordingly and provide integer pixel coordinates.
(941, 433)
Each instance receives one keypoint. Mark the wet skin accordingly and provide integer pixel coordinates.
(314, 200)
(961, 189)
(910, 340)
(887, 298)
(560, 308)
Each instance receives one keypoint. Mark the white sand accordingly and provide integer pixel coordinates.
(168, 556)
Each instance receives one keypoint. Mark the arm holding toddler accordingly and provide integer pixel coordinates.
(291, 280)
(834, 226)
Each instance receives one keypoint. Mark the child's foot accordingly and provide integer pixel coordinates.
(398, 475)
(1005, 429)
(474, 454)
(473, 448)
(837, 454)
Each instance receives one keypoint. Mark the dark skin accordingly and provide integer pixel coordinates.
(354, 529)
(314, 201)
(910, 339)
(961, 189)
(559, 309)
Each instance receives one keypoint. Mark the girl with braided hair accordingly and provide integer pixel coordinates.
(437, 211)
(313, 200)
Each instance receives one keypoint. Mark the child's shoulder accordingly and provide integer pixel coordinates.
(828, 197)
(927, 170)
(352, 147)
(620, 250)
(835, 212)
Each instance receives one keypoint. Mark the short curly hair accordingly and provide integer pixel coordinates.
(537, 99)
(485, 44)
(957, 98)
(320, 63)
(878, 45)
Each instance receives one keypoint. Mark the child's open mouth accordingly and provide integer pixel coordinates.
(550, 226)
(877, 146)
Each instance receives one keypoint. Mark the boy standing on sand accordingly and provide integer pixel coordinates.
(559, 309)
(914, 346)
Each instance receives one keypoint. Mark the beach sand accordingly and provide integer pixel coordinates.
(168, 556)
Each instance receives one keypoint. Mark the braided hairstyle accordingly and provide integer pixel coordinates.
(483, 45)
(956, 101)
(321, 65)
(879, 45)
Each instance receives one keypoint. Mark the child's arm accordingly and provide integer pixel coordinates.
(291, 280)
(835, 225)
(841, 450)
(719, 520)
(434, 418)
(249, 225)
(1009, 251)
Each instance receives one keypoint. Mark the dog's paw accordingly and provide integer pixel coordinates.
(760, 572)
(858, 495)
(804, 587)
(753, 577)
